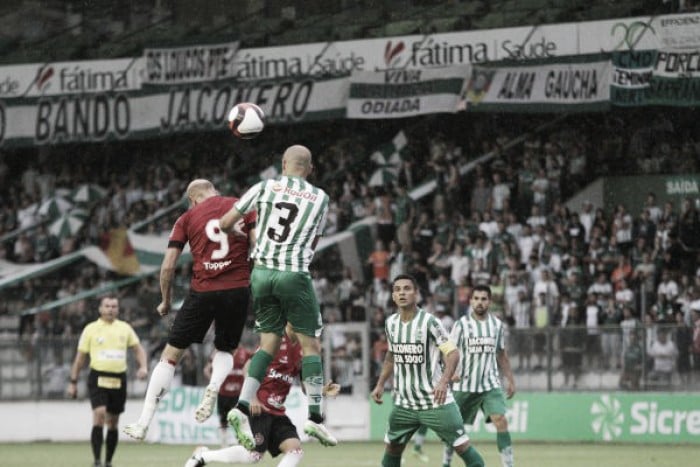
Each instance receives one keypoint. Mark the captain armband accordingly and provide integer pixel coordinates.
(447, 347)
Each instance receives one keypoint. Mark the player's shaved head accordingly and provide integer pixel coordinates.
(297, 161)
(200, 189)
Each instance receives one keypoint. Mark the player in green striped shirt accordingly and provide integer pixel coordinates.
(291, 217)
(422, 378)
(479, 336)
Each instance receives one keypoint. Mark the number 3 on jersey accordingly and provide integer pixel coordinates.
(281, 221)
(216, 235)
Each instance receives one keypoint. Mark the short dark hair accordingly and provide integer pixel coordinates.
(107, 297)
(482, 288)
(406, 277)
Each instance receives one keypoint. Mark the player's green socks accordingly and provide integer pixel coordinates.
(503, 440)
(312, 377)
(504, 447)
(472, 458)
(256, 373)
(391, 460)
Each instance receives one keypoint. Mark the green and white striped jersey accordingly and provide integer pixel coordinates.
(417, 360)
(291, 213)
(478, 343)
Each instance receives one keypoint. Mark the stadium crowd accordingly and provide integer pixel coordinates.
(505, 222)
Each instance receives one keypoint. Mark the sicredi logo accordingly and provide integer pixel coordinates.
(608, 418)
(649, 418)
(644, 418)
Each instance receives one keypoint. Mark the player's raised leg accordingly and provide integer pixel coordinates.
(221, 365)
(158, 386)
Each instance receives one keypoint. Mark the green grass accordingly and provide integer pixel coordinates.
(361, 454)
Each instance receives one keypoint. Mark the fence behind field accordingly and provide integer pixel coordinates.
(548, 359)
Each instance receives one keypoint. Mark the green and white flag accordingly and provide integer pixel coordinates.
(391, 154)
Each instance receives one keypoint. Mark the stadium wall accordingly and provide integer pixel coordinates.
(644, 417)
(69, 420)
(660, 418)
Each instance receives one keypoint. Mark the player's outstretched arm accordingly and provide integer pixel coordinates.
(142, 360)
(78, 364)
(167, 272)
(451, 359)
(228, 221)
(387, 369)
(504, 365)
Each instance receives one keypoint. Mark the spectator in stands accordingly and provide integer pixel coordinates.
(592, 316)
(632, 358)
(403, 217)
(572, 341)
(423, 234)
(665, 354)
(611, 339)
(684, 341)
(523, 318)
(379, 262)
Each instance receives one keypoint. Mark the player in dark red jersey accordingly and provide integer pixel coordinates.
(272, 429)
(218, 293)
(231, 387)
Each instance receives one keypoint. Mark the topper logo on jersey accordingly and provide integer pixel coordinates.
(216, 265)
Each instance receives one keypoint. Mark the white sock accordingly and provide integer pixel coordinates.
(507, 457)
(158, 386)
(221, 366)
(447, 455)
(223, 434)
(231, 455)
(249, 389)
(418, 441)
(291, 458)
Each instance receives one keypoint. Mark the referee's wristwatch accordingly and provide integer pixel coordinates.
(73, 381)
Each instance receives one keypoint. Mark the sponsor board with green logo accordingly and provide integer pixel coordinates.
(600, 417)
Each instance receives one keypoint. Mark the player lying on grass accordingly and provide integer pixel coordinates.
(272, 430)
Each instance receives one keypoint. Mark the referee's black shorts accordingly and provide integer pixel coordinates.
(228, 310)
(107, 389)
(270, 431)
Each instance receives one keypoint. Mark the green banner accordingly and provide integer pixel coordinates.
(618, 417)
(656, 77)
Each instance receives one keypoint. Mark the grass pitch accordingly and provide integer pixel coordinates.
(358, 454)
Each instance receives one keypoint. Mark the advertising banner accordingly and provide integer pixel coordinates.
(643, 417)
(404, 93)
(70, 78)
(190, 64)
(541, 87)
(541, 42)
(174, 421)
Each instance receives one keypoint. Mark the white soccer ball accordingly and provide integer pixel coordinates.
(246, 120)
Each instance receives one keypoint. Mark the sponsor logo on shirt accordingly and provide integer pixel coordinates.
(216, 265)
(278, 188)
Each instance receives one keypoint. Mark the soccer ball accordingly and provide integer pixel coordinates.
(246, 120)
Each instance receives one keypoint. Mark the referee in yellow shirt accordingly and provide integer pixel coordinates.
(105, 341)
